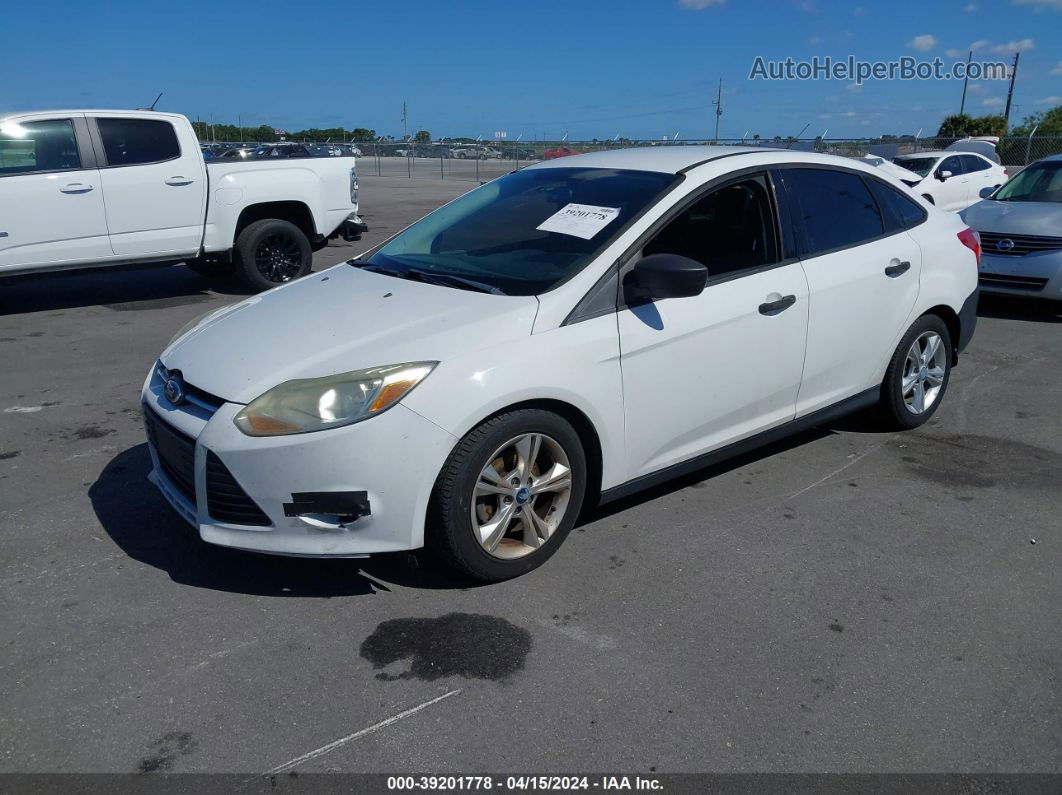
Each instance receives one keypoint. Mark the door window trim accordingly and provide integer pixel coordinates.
(85, 152)
(101, 152)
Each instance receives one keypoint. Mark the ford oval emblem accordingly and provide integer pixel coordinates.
(174, 390)
(1006, 244)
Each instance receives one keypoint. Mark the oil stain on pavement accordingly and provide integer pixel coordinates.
(981, 462)
(457, 644)
(165, 750)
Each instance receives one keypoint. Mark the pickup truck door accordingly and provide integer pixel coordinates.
(51, 201)
(154, 184)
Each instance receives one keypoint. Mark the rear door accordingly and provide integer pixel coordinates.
(51, 200)
(862, 270)
(154, 183)
(980, 174)
(702, 372)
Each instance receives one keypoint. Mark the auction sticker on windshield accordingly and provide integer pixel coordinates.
(579, 220)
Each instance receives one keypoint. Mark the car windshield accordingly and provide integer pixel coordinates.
(919, 165)
(1037, 183)
(524, 233)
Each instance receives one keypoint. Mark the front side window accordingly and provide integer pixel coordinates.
(836, 208)
(1039, 183)
(524, 233)
(31, 146)
(952, 164)
(130, 142)
(728, 230)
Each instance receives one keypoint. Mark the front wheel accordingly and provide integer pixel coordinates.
(271, 252)
(918, 374)
(508, 495)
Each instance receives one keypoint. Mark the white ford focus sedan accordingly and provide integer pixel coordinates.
(572, 332)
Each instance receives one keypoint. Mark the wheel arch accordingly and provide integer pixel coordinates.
(294, 212)
(954, 325)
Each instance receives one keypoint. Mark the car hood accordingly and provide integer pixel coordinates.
(339, 320)
(1015, 218)
(899, 172)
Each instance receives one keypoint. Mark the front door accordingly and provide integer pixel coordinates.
(702, 372)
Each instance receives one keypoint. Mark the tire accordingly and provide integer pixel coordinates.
(910, 395)
(466, 504)
(271, 252)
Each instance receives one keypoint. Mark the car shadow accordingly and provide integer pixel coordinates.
(1034, 310)
(146, 528)
(117, 288)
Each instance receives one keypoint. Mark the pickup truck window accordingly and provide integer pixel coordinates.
(130, 142)
(32, 146)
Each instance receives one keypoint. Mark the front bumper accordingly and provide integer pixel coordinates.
(1032, 276)
(390, 462)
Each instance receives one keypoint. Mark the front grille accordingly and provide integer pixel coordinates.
(1023, 244)
(175, 451)
(226, 500)
(1014, 282)
(198, 397)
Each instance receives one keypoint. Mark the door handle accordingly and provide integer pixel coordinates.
(75, 187)
(771, 308)
(898, 269)
(179, 181)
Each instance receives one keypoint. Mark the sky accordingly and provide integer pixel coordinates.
(534, 70)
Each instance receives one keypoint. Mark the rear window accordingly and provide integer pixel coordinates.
(130, 142)
(28, 147)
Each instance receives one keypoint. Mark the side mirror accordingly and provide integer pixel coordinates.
(670, 276)
(986, 191)
(943, 175)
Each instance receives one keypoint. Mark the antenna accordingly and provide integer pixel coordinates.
(153, 104)
(798, 136)
(718, 108)
(675, 137)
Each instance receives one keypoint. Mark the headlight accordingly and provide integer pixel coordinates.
(315, 404)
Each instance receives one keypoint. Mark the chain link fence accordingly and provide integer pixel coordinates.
(479, 161)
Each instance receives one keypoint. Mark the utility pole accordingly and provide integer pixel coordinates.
(405, 125)
(1010, 92)
(965, 80)
(718, 108)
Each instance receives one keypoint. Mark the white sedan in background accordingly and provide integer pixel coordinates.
(572, 332)
(952, 180)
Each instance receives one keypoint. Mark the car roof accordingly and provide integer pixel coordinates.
(929, 153)
(665, 159)
(89, 112)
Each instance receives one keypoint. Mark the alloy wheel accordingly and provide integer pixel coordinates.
(923, 372)
(521, 495)
(277, 257)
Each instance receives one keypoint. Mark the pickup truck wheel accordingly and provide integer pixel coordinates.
(271, 252)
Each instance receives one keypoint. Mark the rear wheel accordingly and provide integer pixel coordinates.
(508, 495)
(271, 252)
(918, 374)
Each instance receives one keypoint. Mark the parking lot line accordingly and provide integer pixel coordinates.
(324, 749)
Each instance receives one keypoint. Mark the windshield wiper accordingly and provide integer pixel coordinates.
(431, 277)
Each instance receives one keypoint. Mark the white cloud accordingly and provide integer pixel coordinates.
(859, 11)
(697, 5)
(969, 8)
(1052, 100)
(807, 6)
(975, 88)
(1021, 45)
(923, 43)
(849, 114)
(1056, 4)
(992, 102)
(953, 53)
(815, 40)
(853, 87)
(1058, 69)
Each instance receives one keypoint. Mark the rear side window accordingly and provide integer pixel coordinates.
(835, 207)
(971, 163)
(32, 146)
(892, 202)
(130, 142)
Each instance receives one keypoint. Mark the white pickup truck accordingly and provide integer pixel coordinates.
(92, 188)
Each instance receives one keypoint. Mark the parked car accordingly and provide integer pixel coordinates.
(951, 180)
(92, 188)
(280, 149)
(1020, 226)
(237, 153)
(558, 151)
(685, 315)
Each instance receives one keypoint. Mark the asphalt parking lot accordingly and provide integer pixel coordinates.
(849, 600)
